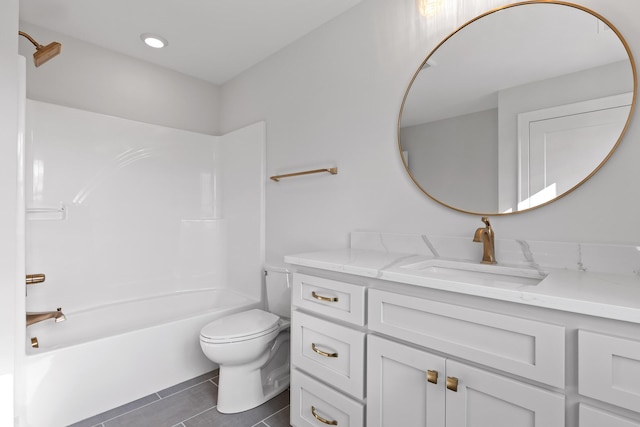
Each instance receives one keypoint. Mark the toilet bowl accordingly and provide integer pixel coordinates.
(252, 348)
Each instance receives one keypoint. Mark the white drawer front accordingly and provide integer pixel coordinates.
(330, 352)
(340, 300)
(609, 369)
(592, 417)
(312, 402)
(528, 348)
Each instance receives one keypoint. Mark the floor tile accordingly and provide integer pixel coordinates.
(90, 422)
(213, 375)
(172, 410)
(279, 419)
(242, 419)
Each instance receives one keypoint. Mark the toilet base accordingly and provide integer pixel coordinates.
(241, 388)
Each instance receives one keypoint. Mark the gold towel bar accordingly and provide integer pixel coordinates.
(332, 171)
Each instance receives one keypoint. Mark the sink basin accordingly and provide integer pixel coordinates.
(478, 273)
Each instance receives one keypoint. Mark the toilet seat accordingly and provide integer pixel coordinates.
(241, 326)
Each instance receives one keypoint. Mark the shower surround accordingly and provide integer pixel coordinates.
(145, 234)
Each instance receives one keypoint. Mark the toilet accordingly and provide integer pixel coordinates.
(252, 348)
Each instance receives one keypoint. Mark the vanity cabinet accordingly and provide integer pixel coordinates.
(327, 352)
(411, 387)
(376, 353)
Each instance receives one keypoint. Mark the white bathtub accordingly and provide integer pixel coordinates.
(101, 358)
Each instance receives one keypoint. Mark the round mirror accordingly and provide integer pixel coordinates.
(517, 108)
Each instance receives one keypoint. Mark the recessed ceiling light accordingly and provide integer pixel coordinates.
(153, 40)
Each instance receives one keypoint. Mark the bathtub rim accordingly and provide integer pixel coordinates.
(243, 301)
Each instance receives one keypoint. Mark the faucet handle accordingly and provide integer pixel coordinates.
(486, 221)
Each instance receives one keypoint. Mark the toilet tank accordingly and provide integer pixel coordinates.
(278, 290)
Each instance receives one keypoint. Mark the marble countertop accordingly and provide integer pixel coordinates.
(605, 295)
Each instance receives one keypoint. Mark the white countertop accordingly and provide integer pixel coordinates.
(598, 294)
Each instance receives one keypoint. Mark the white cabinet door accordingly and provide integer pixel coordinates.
(485, 399)
(593, 417)
(398, 390)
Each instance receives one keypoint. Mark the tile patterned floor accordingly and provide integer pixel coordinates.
(191, 404)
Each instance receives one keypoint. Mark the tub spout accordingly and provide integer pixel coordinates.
(57, 315)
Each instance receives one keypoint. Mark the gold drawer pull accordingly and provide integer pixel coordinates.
(452, 383)
(321, 298)
(432, 377)
(322, 353)
(322, 420)
(34, 278)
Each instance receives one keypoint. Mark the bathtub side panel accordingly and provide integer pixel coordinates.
(74, 383)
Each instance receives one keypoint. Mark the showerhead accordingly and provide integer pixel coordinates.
(42, 53)
(45, 53)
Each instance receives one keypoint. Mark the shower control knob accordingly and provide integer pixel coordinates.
(35, 278)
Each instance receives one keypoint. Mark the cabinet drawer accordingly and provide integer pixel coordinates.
(609, 369)
(314, 404)
(340, 300)
(330, 352)
(527, 348)
(592, 417)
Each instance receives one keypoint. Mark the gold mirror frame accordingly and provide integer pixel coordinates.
(606, 158)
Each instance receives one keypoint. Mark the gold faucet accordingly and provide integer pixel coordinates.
(486, 236)
(57, 315)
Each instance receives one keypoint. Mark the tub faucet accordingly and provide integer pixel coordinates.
(57, 315)
(486, 236)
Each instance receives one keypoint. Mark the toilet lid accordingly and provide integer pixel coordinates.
(240, 326)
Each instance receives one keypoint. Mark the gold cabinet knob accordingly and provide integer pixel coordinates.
(432, 377)
(452, 383)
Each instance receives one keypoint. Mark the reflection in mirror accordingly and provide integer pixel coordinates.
(517, 108)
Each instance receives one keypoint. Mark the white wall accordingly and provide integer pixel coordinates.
(332, 99)
(92, 78)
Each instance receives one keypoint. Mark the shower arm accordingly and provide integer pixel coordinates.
(31, 39)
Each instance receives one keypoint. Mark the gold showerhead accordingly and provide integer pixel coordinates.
(42, 53)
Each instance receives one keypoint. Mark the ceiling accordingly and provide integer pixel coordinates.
(213, 40)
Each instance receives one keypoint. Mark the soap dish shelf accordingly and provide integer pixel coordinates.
(48, 214)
